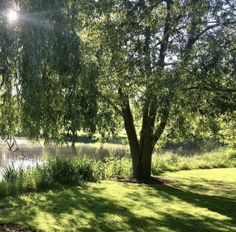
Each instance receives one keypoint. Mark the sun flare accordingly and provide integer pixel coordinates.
(12, 15)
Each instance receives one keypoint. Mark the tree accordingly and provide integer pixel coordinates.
(165, 58)
(71, 65)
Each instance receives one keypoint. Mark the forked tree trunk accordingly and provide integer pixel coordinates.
(141, 155)
(141, 150)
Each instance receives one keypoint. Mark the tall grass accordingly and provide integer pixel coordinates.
(55, 173)
(61, 172)
(112, 168)
(222, 158)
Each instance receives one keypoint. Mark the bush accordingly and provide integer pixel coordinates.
(10, 173)
(70, 172)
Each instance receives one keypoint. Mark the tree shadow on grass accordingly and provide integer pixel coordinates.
(11, 211)
(205, 185)
(81, 209)
(90, 213)
(225, 206)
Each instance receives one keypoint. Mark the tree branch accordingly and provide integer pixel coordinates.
(158, 132)
(192, 41)
(112, 104)
(166, 35)
(129, 125)
(212, 89)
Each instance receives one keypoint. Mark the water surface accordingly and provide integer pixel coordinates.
(31, 153)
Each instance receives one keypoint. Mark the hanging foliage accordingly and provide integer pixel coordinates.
(44, 74)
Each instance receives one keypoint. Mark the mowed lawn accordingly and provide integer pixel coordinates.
(198, 200)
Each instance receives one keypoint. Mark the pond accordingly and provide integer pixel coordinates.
(31, 153)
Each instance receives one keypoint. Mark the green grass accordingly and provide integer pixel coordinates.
(198, 200)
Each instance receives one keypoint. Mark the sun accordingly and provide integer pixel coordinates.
(12, 15)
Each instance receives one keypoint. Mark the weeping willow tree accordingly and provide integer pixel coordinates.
(48, 85)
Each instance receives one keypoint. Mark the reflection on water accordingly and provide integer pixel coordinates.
(31, 153)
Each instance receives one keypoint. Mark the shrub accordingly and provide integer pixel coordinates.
(10, 173)
(70, 172)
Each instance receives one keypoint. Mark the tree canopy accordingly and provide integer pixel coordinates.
(72, 65)
(170, 60)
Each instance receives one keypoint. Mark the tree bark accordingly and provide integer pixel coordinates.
(131, 134)
(141, 152)
(142, 162)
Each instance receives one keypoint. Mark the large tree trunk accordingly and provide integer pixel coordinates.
(141, 150)
(142, 167)
(141, 154)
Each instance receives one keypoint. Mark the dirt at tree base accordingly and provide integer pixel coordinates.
(14, 228)
(152, 181)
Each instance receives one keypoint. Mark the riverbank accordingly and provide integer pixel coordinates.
(60, 172)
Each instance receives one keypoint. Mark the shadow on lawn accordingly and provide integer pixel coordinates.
(222, 205)
(205, 185)
(94, 212)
